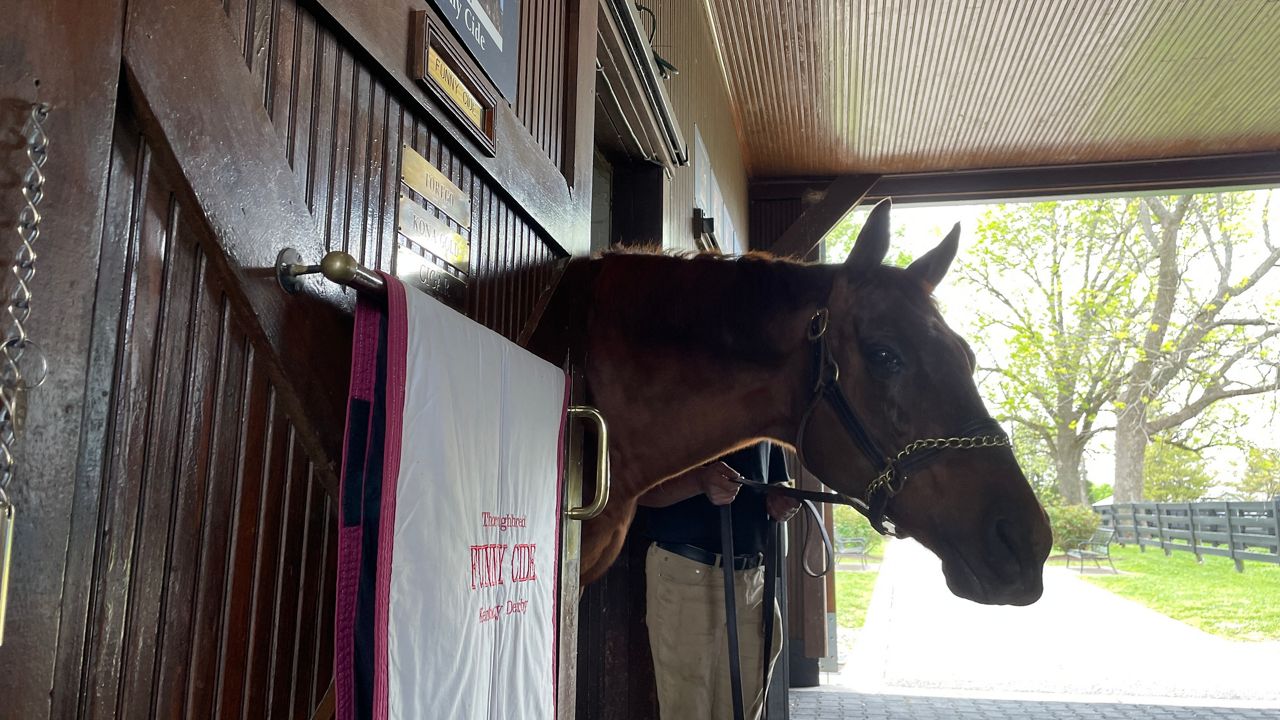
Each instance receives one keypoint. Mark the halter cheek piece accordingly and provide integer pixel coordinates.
(891, 471)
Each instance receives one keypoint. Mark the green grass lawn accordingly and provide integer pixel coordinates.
(1212, 596)
(853, 594)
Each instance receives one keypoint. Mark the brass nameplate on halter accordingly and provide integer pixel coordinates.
(423, 274)
(423, 178)
(440, 68)
(434, 235)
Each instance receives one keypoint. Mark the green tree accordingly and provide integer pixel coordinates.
(1203, 336)
(1037, 465)
(1099, 492)
(1174, 473)
(1065, 279)
(1262, 478)
(1142, 309)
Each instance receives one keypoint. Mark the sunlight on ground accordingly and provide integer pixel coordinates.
(917, 637)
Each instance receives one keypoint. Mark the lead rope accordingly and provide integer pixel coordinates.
(18, 348)
(731, 610)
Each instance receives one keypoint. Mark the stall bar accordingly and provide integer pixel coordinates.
(337, 266)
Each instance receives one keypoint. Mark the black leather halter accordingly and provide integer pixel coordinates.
(891, 471)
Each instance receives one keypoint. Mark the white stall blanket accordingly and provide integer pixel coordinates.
(450, 509)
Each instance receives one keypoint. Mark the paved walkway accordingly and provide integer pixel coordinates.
(1078, 640)
(836, 705)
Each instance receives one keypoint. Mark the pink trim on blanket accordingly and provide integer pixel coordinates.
(364, 358)
(397, 351)
(555, 580)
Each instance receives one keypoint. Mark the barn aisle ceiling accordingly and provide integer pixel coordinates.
(825, 87)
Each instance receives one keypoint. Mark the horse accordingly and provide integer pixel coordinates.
(690, 357)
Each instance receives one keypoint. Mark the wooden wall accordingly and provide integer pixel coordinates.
(341, 125)
(179, 556)
(770, 217)
(543, 83)
(701, 100)
(212, 580)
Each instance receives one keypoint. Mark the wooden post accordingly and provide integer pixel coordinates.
(1231, 541)
(1160, 529)
(1195, 541)
(1137, 533)
(1275, 520)
(836, 201)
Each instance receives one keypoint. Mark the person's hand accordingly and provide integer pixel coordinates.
(781, 507)
(718, 483)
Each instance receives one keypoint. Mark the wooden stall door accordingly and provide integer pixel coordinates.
(212, 548)
(188, 569)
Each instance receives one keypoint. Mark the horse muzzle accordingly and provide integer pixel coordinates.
(1006, 568)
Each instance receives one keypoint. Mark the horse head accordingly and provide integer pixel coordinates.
(884, 352)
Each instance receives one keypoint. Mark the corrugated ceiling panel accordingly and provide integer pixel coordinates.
(837, 86)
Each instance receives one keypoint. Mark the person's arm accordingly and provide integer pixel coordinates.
(715, 480)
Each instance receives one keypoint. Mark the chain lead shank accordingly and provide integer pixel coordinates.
(17, 351)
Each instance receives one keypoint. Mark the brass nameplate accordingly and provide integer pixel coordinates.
(433, 185)
(448, 81)
(440, 66)
(421, 273)
(425, 229)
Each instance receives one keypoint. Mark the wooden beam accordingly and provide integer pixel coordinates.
(580, 101)
(1186, 173)
(837, 200)
(64, 53)
(1241, 170)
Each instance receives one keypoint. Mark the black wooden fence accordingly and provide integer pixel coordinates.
(1238, 530)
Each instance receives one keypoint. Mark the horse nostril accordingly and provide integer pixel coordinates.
(1004, 546)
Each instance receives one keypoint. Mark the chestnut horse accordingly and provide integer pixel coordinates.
(690, 357)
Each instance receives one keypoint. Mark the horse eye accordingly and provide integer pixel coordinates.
(884, 360)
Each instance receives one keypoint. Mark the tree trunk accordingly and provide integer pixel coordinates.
(1066, 463)
(1131, 453)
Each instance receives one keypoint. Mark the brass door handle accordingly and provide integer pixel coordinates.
(591, 414)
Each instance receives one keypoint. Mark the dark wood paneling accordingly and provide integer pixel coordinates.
(540, 186)
(343, 127)
(214, 561)
(615, 664)
(544, 77)
(198, 564)
(64, 53)
(770, 218)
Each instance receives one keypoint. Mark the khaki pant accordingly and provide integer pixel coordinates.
(685, 615)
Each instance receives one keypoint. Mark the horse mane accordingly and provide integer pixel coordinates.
(706, 302)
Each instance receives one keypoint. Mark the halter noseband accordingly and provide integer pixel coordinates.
(891, 471)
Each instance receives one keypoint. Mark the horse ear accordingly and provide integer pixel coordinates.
(873, 240)
(932, 266)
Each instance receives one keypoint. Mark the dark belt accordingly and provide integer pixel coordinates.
(706, 557)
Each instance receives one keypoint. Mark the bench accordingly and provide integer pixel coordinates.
(1096, 548)
(853, 548)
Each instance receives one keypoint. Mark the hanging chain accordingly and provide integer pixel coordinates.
(23, 365)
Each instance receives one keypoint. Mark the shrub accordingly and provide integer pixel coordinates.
(1072, 525)
(849, 523)
(1101, 491)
